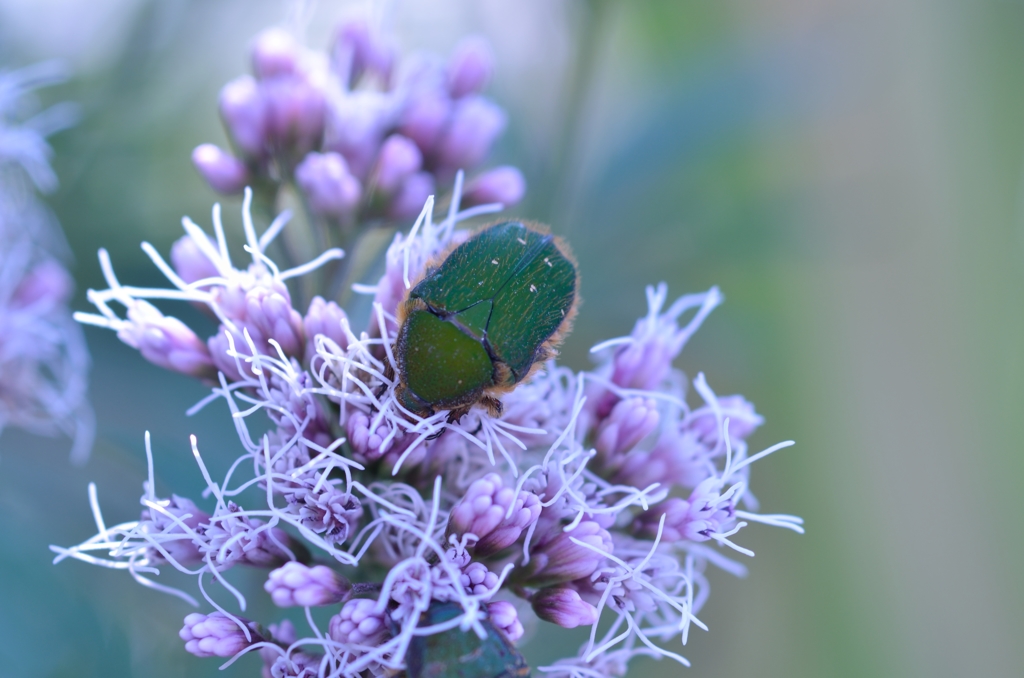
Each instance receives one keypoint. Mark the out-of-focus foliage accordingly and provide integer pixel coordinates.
(848, 173)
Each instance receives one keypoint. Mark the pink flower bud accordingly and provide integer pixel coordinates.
(371, 442)
(563, 606)
(399, 157)
(475, 123)
(359, 48)
(656, 340)
(295, 584)
(219, 345)
(677, 459)
(503, 184)
(477, 580)
(266, 314)
(171, 535)
(234, 538)
(190, 262)
(358, 624)
(47, 284)
(216, 635)
(706, 513)
(482, 513)
(244, 114)
(505, 618)
(274, 53)
(557, 558)
(630, 421)
(165, 341)
(358, 122)
(424, 118)
(327, 184)
(470, 67)
(264, 308)
(328, 319)
(224, 172)
(366, 441)
(295, 115)
(412, 194)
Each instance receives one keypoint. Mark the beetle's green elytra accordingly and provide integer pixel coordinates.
(462, 654)
(478, 322)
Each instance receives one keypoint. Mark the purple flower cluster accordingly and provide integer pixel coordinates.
(43, 358)
(362, 134)
(594, 493)
(596, 498)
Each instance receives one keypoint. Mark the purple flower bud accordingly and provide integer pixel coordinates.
(297, 664)
(358, 48)
(482, 513)
(294, 664)
(294, 584)
(424, 118)
(503, 184)
(295, 115)
(327, 184)
(414, 191)
(328, 319)
(190, 262)
(504, 617)
(706, 513)
(358, 122)
(233, 538)
(274, 53)
(282, 635)
(399, 157)
(273, 316)
(47, 284)
(470, 67)
(216, 635)
(219, 345)
(743, 421)
(265, 309)
(165, 341)
(630, 421)
(244, 114)
(224, 172)
(358, 624)
(173, 538)
(475, 123)
(556, 558)
(477, 580)
(656, 340)
(367, 440)
(677, 459)
(642, 365)
(563, 606)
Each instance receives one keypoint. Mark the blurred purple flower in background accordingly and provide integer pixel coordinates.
(44, 362)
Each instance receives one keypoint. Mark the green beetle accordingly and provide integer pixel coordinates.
(462, 654)
(477, 324)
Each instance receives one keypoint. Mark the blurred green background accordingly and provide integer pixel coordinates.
(849, 172)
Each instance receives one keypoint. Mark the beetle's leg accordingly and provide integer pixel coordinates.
(389, 375)
(435, 436)
(493, 405)
(456, 415)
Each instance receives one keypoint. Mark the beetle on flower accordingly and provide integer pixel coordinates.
(433, 478)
